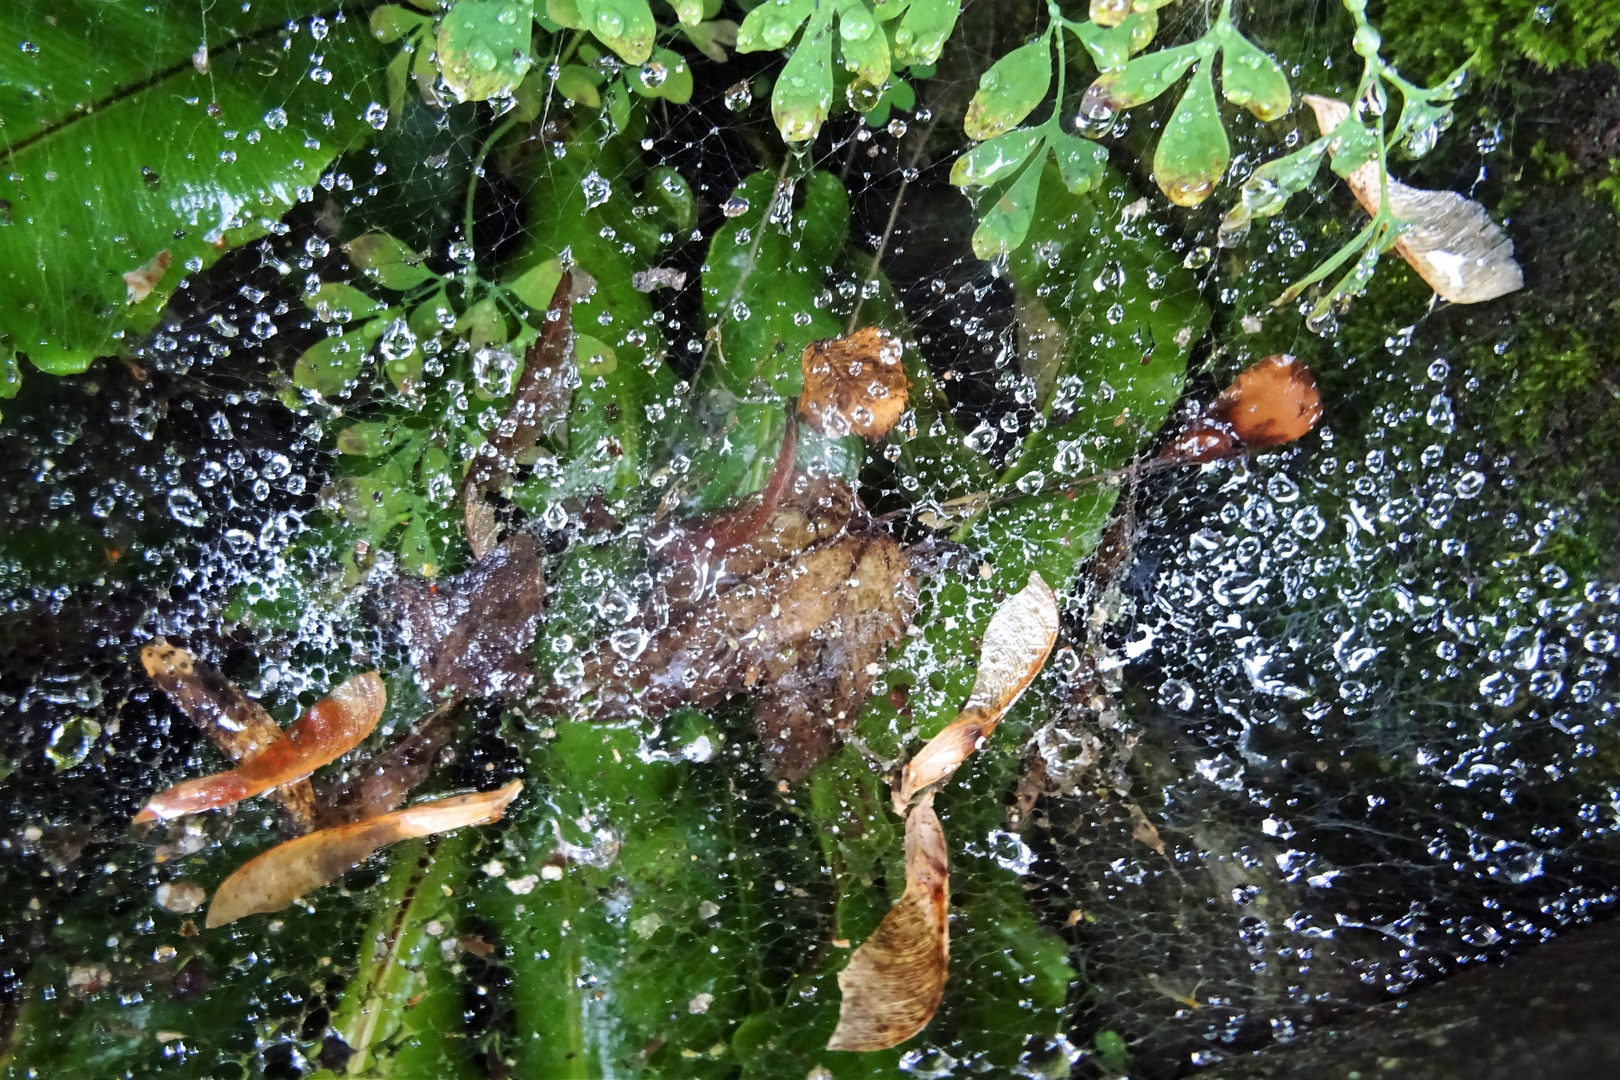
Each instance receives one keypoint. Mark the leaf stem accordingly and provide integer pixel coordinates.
(478, 174)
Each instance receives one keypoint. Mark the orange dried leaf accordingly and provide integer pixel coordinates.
(331, 728)
(287, 871)
(1272, 402)
(139, 282)
(893, 983)
(1016, 644)
(236, 724)
(1453, 244)
(854, 384)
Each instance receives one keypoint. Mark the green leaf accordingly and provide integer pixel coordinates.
(1112, 47)
(666, 75)
(331, 364)
(336, 302)
(578, 83)
(484, 47)
(1355, 145)
(369, 439)
(483, 324)
(385, 260)
(864, 46)
(400, 1014)
(1193, 152)
(566, 13)
(1269, 186)
(994, 159)
(397, 77)
(618, 106)
(181, 194)
(625, 26)
(419, 552)
(1008, 92)
(594, 356)
(668, 190)
(538, 284)
(921, 34)
(390, 22)
(772, 25)
(688, 12)
(803, 93)
(425, 319)
(1139, 81)
(899, 95)
(1251, 79)
(1004, 227)
(1081, 162)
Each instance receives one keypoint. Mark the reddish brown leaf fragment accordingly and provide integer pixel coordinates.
(331, 728)
(854, 384)
(287, 871)
(893, 983)
(470, 635)
(544, 392)
(236, 724)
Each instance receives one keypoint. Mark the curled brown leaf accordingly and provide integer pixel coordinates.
(854, 384)
(470, 635)
(1453, 244)
(331, 728)
(377, 786)
(1016, 644)
(794, 617)
(287, 871)
(1271, 402)
(236, 724)
(893, 983)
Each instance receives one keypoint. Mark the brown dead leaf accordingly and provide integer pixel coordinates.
(287, 871)
(1016, 644)
(1144, 831)
(893, 983)
(854, 384)
(1453, 245)
(1272, 402)
(544, 393)
(236, 724)
(470, 635)
(139, 283)
(794, 615)
(331, 728)
(381, 784)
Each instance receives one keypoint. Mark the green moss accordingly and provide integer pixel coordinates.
(1438, 37)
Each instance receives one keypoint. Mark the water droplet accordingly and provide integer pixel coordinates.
(1470, 484)
(739, 97)
(186, 508)
(1031, 482)
(377, 115)
(609, 23)
(276, 118)
(495, 369)
(1198, 257)
(597, 189)
(736, 206)
(981, 438)
(397, 341)
(653, 74)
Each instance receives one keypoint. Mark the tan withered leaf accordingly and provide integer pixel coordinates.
(1453, 244)
(893, 983)
(470, 635)
(331, 728)
(236, 724)
(1015, 647)
(854, 384)
(792, 616)
(287, 871)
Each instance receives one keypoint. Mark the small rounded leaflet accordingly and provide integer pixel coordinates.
(331, 728)
(287, 871)
(854, 385)
(1272, 402)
